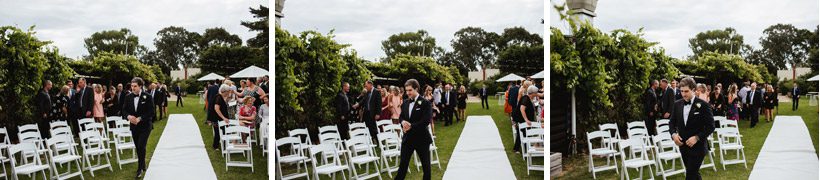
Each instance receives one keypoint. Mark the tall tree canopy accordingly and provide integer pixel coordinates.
(261, 26)
(418, 43)
(784, 44)
(472, 47)
(718, 40)
(218, 37)
(518, 36)
(116, 41)
(176, 46)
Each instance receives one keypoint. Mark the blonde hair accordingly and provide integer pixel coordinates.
(462, 89)
(523, 89)
(64, 90)
(247, 100)
(97, 88)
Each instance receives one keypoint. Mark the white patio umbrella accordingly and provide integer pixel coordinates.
(211, 76)
(250, 72)
(539, 75)
(815, 78)
(510, 77)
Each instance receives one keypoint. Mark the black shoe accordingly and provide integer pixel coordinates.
(139, 174)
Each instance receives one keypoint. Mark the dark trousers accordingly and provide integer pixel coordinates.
(448, 115)
(45, 128)
(484, 102)
(692, 159)
(343, 128)
(179, 101)
(795, 103)
(371, 124)
(216, 143)
(650, 126)
(73, 122)
(517, 145)
(754, 113)
(422, 151)
(159, 113)
(140, 141)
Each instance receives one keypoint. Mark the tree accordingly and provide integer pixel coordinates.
(261, 26)
(723, 41)
(424, 69)
(118, 68)
(472, 47)
(521, 60)
(417, 43)
(218, 37)
(116, 41)
(226, 60)
(813, 48)
(724, 68)
(784, 44)
(518, 36)
(175, 45)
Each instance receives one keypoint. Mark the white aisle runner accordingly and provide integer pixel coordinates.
(788, 152)
(479, 153)
(180, 153)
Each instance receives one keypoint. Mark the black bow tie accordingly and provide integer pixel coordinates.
(686, 103)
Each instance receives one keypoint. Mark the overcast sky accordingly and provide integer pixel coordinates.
(67, 22)
(672, 23)
(364, 24)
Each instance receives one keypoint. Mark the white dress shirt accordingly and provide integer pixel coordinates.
(686, 109)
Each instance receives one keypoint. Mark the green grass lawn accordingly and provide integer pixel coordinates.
(447, 137)
(753, 138)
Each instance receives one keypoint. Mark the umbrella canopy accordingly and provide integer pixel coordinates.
(510, 77)
(212, 76)
(250, 72)
(539, 75)
(815, 78)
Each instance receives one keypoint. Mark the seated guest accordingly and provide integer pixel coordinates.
(247, 113)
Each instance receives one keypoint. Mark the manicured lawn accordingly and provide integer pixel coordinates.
(447, 137)
(576, 167)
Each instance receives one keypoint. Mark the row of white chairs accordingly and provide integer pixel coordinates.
(236, 139)
(334, 155)
(532, 144)
(641, 146)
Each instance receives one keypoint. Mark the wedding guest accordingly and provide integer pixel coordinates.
(524, 113)
(343, 108)
(139, 111)
(742, 93)
(448, 101)
(121, 93)
(676, 89)
(44, 108)
(769, 98)
(717, 101)
(387, 111)
(462, 103)
(700, 92)
(164, 100)
(733, 103)
(247, 114)
(667, 99)
(483, 94)
(110, 101)
(690, 130)
(428, 95)
(507, 104)
(754, 101)
(371, 108)
(178, 93)
(395, 104)
(650, 107)
(795, 96)
(60, 109)
(99, 114)
(219, 112)
(416, 113)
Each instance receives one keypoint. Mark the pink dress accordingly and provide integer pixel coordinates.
(98, 108)
(396, 107)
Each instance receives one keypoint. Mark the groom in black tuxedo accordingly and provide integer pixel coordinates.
(139, 109)
(416, 113)
(691, 123)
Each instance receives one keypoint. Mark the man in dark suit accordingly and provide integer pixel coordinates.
(690, 125)
(139, 111)
(159, 100)
(667, 100)
(448, 101)
(483, 94)
(650, 106)
(81, 104)
(416, 113)
(677, 90)
(754, 99)
(343, 107)
(795, 96)
(178, 93)
(512, 95)
(212, 91)
(372, 104)
(44, 106)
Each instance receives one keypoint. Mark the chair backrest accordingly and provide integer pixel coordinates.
(612, 128)
(121, 135)
(663, 122)
(61, 131)
(356, 126)
(122, 124)
(535, 133)
(728, 123)
(56, 124)
(718, 118)
(93, 126)
(325, 151)
(595, 135)
(29, 136)
(360, 132)
(663, 129)
(23, 148)
(87, 136)
(360, 142)
(28, 127)
(635, 124)
(288, 142)
(302, 135)
(383, 122)
(329, 129)
(637, 132)
(633, 144)
(85, 121)
(239, 130)
(384, 137)
(59, 140)
(330, 138)
(5, 134)
(724, 133)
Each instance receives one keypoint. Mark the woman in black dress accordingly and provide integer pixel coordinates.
(769, 100)
(60, 109)
(462, 103)
(718, 102)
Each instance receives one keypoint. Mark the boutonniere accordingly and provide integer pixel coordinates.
(697, 105)
(418, 102)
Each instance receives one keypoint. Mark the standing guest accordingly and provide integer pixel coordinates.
(211, 91)
(733, 103)
(462, 103)
(744, 91)
(525, 112)
(264, 111)
(86, 98)
(60, 108)
(717, 101)
(437, 90)
(675, 88)
(160, 100)
(343, 108)
(121, 95)
(139, 111)
(483, 94)
(691, 124)
(755, 101)
(387, 111)
(769, 98)
(264, 84)
(448, 101)
(44, 108)
(219, 112)
(416, 115)
(99, 98)
(247, 114)
(795, 96)
(428, 95)
(110, 101)
(650, 107)
(178, 93)
(165, 99)
(371, 108)
(667, 99)
(71, 90)
(507, 105)
(701, 92)
(523, 90)
(395, 104)
(513, 96)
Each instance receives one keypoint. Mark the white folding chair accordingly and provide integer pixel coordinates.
(84, 121)
(123, 142)
(730, 139)
(335, 140)
(293, 157)
(30, 133)
(25, 166)
(524, 127)
(636, 162)
(615, 134)
(240, 146)
(263, 136)
(89, 141)
(329, 168)
(358, 144)
(604, 151)
(635, 124)
(533, 150)
(224, 138)
(433, 151)
(389, 151)
(100, 129)
(5, 143)
(58, 158)
(662, 122)
(304, 140)
(664, 155)
(331, 129)
(381, 123)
